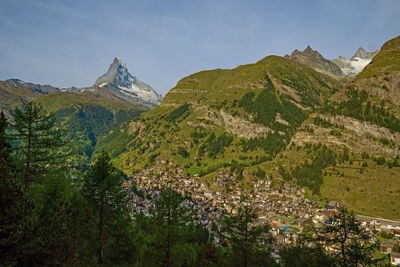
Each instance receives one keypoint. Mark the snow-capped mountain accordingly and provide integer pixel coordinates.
(118, 80)
(122, 84)
(357, 62)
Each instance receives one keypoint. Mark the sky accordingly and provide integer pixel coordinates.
(71, 43)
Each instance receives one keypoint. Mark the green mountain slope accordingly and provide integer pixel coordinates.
(360, 125)
(223, 118)
(88, 115)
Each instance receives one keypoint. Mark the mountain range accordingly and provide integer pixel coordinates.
(331, 126)
(338, 68)
(356, 63)
(87, 113)
(339, 138)
(118, 83)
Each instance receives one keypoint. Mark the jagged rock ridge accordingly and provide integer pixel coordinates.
(315, 60)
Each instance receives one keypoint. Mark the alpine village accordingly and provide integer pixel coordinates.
(291, 160)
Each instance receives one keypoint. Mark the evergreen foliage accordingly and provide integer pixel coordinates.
(103, 188)
(272, 144)
(11, 201)
(215, 145)
(267, 104)
(310, 173)
(359, 106)
(302, 255)
(351, 245)
(250, 245)
(40, 141)
(177, 113)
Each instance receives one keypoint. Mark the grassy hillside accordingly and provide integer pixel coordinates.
(223, 118)
(361, 125)
(88, 116)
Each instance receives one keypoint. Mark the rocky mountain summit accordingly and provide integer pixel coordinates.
(119, 81)
(312, 58)
(356, 63)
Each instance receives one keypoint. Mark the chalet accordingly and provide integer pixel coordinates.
(330, 207)
(275, 192)
(293, 188)
(312, 204)
(286, 186)
(387, 246)
(302, 221)
(334, 203)
(395, 259)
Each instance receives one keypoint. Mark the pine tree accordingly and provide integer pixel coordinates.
(39, 140)
(103, 188)
(171, 217)
(51, 230)
(250, 244)
(349, 243)
(11, 202)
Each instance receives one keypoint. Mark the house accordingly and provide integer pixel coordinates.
(293, 188)
(334, 203)
(387, 246)
(286, 186)
(395, 258)
(302, 221)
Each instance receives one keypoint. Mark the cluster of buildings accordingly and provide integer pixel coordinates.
(286, 209)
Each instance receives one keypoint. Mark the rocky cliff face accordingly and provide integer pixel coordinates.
(363, 54)
(315, 60)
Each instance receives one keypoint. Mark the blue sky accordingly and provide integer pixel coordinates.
(71, 43)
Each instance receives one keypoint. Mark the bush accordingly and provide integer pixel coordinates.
(380, 161)
(183, 152)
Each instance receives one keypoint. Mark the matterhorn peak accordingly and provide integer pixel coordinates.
(122, 83)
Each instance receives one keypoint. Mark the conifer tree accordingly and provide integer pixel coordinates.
(103, 188)
(349, 243)
(39, 140)
(250, 244)
(170, 216)
(11, 202)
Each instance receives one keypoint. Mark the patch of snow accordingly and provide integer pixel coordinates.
(359, 63)
(136, 91)
(355, 65)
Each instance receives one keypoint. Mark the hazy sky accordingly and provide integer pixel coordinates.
(71, 43)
